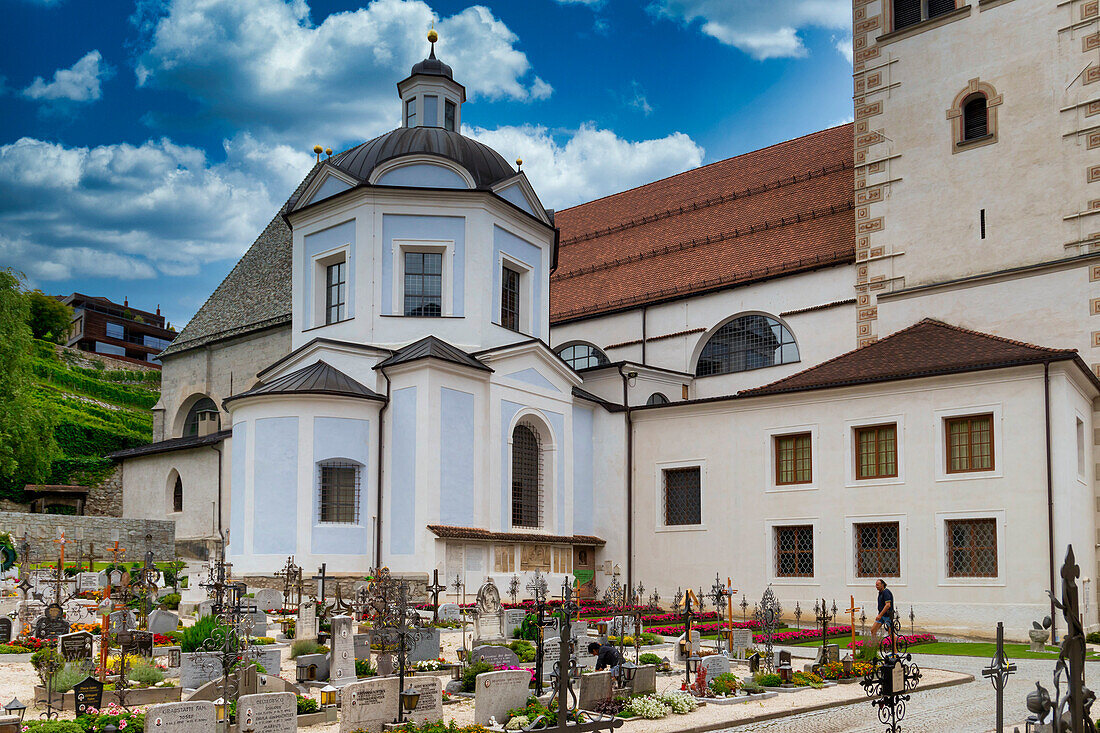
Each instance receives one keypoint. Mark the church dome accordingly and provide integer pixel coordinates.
(484, 164)
(432, 67)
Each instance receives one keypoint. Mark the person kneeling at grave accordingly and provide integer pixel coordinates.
(607, 657)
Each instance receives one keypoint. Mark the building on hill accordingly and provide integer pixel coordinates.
(776, 367)
(104, 327)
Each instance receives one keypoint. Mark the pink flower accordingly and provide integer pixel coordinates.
(122, 725)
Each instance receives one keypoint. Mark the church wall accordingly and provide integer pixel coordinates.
(148, 482)
(532, 305)
(457, 455)
(336, 237)
(275, 486)
(584, 499)
(741, 506)
(403, 524)
(344, 439)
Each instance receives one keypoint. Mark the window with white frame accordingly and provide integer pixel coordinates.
(526, 477)
(682, 496)
(1081, 461)
(877, 549)
(423, 293)
(510, 309)
(338, 486)
(971, 547)
(794, 550)
(336, 292)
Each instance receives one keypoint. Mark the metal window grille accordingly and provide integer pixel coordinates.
(877, 451)
(911, 12)
(582, 356)
(682, 500)
(335, 292)
(423, 284)
(339, 486)
(177, 495)
(526, 477)
(748, 342)
(794, 551)
(793, 459)
(975, 117)
(509, 298)
(877, 550)
(972, 548)
(449, 116)
(970, 443)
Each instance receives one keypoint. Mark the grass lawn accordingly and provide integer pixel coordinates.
(961, 648)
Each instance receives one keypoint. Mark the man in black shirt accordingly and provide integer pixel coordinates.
(885, 617)
(607, 656)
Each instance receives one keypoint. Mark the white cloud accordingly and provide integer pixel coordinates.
(844, 46)
(763, 29)
(264, 65)
(132, 212)
(78, 83)
(591, 162)
(638, 100)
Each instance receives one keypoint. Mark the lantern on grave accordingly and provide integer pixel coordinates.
(16, 708)
(409, 698)
(629, 670)
(692, 664)
(665, 665)
(219, 709)
(786, 673)
(328, 696)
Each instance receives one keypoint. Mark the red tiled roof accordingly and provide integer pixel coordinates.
(774, 211)
(476, 533)
(927, 348)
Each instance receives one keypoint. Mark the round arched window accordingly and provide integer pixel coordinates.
(657, 399)
(582, 356)
(747, 342)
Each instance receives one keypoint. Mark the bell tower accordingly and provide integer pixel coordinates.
(430, 97)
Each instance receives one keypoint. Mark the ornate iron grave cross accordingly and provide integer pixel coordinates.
(396, 623)
(687, 615)
(823, 618)
(851, 611)
(744, 608)
(718, 593)
(655, 598)
(997, 672)
(292, 584)
(513, 589)
(435, 589)
(538, 589)
(767, 614)
(893, 674)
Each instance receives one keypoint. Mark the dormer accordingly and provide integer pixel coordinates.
(430, 97)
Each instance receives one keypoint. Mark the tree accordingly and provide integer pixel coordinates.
(49, 318)
(27, 445)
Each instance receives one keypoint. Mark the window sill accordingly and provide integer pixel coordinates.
(682, 528)
(984, 5)
(962, 582)
(976, 142)
(326, 325)
(334, 525)
(885, 481)
(784, 488)
(868, 582)
(402, 315)
(924, 25)
(969, 475)
(506, 328)
(794, 581)
(743, 371)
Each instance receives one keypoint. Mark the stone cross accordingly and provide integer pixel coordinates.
(997, 672)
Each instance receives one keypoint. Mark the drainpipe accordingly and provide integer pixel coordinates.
(381, 446)
(217, 447)
(645, 310)
(1050, 503)
(629, 479)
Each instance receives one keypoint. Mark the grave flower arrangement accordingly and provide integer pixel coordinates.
(835, 670)
(97, 720)
(90, 628)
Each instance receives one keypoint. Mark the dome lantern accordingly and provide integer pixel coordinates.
(430, 97)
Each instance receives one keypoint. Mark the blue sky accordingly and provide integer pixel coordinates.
(144, 144)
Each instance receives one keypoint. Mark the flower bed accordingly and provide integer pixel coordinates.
(885, 641)
(835, 670)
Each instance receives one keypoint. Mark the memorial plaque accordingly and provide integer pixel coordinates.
(174, 657)
(362, 646)
(75, 647)
(342, 668)
(498, 656)
(305, 627)
(163, 622)
(181, 717)
(52, 624)
(365, 705)
(5, 629)
(268, 599)
(88, 694)
(429, 708)
(270, 712)
(742, 640)
(450, 612)
(495, 693)
(136, 642)
(87, 581)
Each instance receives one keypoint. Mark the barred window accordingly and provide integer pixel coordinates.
(748, 342)
(526, 477)
(423, 284)
(582, 356)
(177, 495)
(972, 548)
(682, 496)
(509, 298)
(877, 550)
(793, 459)
(336, 282)
(877, 451)
(969, 443)
(339, 485)
(794, 551)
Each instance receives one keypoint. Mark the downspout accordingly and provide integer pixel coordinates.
(1050, 503)
(218, 448)
(629, 482)
(381, 446)
(645, 310)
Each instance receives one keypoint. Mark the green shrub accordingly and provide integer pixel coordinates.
(146, 674)
(307, 705)
(69, 676)
(172, 601)
(13, 649)
(193, 637)
(363, 668)
(1093, 638)
(649, 658)
(529, 629)
(469, 675)
(53, 726)
(768, 680)
(525, 650)
(41, 657)
(261, 640)
(724, 684)
(752, 687)
(305, 646)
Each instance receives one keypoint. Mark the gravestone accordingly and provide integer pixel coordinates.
(362, 646)
(832, 653)
(595, 688)
(5, 629)
(101, 579)
(495, 693)
(87, 694)
(75, 647)
(162, 622)
(513, 620)
(754, 662)
(174, 657)
(181, 717)
(425, 648)
(305, 627)
(551, 652)
(52, 623)
(87, 581)
(136, 642)
(489, 616)
(450, 612)
(645, 680)
(268, 599)
(270, 712)
(715, 664)
(268, 656)
(369, 704)
(694, 651)
(122, 619)
(498, 656)
(205, 608)
(342, 668)
(620, 625)
(742, 640)
(198, 668)
(313, 667)
(258, 622)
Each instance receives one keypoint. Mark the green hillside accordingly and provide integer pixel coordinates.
(99, 409)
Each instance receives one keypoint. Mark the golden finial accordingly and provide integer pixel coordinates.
(317, 151)
(328, 152)
(519, 163)
(432, 35)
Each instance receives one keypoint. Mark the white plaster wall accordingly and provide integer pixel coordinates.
(146, 493)
(732, 439)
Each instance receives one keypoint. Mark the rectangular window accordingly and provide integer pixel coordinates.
(423, 284)
(877, 451)
(969, 443)
(410, 113)
(335, 292)
(911, 12)
(682, 499)
(449, 115)
(793, 460)
(878, 553)
(794, 551)
(116, 331)
(1080, 448)
(431, 110)
(339, 493)
(972, 548)
(509, 298)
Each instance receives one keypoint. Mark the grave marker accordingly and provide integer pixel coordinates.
(270, 712)
(305, 627)
(715, 664)
(88, 694)
(163, 622)
(342, 668)
(75, 647)
(498, 656)
(495, 693)
(181, 717)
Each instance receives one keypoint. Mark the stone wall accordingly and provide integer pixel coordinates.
(105, 500)
(97, 534)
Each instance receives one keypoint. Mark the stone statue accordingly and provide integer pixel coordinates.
(488, 615)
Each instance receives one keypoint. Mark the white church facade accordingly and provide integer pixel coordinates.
(868, 352)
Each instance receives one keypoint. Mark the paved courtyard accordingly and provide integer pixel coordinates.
(966, 708)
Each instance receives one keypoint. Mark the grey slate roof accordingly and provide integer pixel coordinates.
(317, 378)
(431, 347)
(173, 444)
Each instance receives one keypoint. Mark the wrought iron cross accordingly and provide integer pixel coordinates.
(997, 672)
(321, 576)
(513, 588)
(435, 589)
(744, 607)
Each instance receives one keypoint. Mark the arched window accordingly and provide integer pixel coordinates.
(526, 477)
(657, 399)
(202, 419)
(582, 356)
(747, 342)
(177, 495)
(975, 117)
